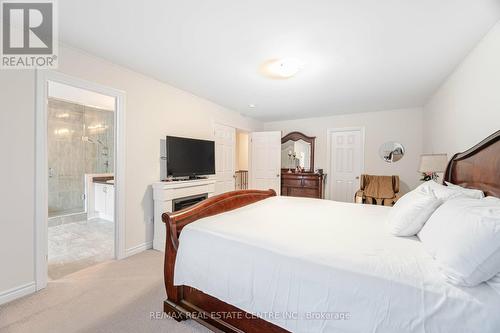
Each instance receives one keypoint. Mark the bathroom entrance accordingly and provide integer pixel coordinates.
(80, 157)
(80, 175)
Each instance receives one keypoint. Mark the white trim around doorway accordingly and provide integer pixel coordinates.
(41, 169)
(329, 155)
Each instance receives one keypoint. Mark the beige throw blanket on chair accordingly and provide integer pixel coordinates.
(380, 190)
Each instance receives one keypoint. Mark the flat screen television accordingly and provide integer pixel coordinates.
(189, 157)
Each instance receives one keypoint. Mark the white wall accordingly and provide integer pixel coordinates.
(17, 170)
(466, 108)
(404, 126)
(153, 110)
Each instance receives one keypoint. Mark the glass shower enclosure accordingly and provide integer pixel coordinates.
(80, 142)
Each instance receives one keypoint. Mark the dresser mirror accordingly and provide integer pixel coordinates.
(297, 150)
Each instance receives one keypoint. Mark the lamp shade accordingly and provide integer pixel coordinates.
(433, 163)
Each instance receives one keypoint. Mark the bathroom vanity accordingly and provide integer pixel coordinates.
(104, 197)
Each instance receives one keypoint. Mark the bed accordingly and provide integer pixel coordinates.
(255, 262)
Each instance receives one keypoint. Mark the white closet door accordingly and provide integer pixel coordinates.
(225, 146)
(346, 159)
(265, 161)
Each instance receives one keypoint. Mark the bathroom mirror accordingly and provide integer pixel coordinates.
(391, 152)
(297, 150)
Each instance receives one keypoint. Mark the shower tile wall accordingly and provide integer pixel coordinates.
(99, 128)
(70, 157)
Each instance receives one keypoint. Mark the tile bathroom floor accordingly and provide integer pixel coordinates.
(77, 245)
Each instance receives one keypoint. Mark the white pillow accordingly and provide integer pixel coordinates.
(449, 192)
(493, 200)
(469, 192)
(411, 211)
(463, 235)
(494, 282)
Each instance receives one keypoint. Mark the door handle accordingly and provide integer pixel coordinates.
(357, 177)
(278, 175)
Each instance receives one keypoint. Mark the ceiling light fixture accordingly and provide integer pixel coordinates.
(251, 106)
(284, 68)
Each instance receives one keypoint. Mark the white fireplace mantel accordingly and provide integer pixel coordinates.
(165, 192)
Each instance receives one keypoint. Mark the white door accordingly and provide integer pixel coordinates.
(346, 163)
(265, 161)
(225, 146)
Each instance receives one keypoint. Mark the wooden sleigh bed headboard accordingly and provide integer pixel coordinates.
(478, 167)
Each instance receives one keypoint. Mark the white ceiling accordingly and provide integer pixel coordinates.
(360, 55)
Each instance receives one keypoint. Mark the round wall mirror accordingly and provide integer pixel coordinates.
(391, 152)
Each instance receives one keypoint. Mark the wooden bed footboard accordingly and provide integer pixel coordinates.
(185, 302)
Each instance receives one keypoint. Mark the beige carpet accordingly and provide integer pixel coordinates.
(114, 296)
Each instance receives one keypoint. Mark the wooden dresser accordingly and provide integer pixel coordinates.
(307, 184)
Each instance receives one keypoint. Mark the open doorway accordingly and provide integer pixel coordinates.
(80, 147)
(80, 174)
(231, 158)
(245, 159)
(241, 172)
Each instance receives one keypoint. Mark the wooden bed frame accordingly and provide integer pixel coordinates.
(478, 167)
(184, 302)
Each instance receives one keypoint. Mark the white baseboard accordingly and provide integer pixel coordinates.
(139, 248)
(17, 292)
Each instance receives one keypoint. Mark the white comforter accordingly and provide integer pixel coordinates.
(311, 265)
